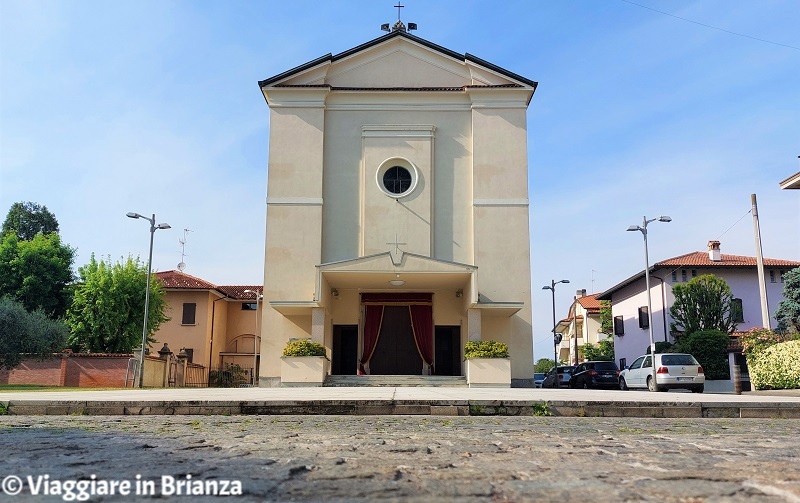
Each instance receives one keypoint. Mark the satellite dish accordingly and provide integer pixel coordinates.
(181, 266)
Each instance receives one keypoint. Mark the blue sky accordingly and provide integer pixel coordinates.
(154, 107)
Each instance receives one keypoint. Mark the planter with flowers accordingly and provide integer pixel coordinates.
(303, 363)
(488, 364)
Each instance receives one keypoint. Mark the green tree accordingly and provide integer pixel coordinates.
(710, 348)
(788, 313)
(27, 219)
(606, 318)
(704, 303)
(25, 333)
(37, 272)
(603, 350)
(543, 365)
(107, 308)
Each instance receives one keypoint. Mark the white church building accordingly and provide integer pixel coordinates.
(397, 210)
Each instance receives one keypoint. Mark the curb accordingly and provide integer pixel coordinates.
(770, 410)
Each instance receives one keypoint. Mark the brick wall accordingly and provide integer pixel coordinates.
(32, 371)
(74, 370)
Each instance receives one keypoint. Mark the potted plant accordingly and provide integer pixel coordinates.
(303, 363)
(488, 364)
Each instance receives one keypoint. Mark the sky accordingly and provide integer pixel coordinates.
(153, 107)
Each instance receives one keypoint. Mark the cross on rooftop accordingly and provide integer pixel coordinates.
(398, 9)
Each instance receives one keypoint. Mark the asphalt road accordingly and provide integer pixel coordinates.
(404, 458)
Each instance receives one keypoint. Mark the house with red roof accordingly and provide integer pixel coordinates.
(629, 297)
(215, 325)
(581, 326)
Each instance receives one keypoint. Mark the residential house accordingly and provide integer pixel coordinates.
(793, 182)
(215, 325)
(581, 326)
(397, 209)
(629, 298)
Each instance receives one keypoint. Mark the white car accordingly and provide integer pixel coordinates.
(673, 370)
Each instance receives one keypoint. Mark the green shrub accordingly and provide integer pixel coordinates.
(710, 348)
(485, 349)
(758, 339)
(776, 367)
(303, 347)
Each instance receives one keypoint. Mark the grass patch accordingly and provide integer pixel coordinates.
(3, 409)
(540, 409)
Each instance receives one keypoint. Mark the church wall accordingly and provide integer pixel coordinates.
(439, 206)
(500, 188)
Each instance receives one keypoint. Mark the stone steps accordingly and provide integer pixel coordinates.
(396, 381)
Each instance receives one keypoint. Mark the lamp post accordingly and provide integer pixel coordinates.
(643, 229)
(153, 228)
(255, 339)
(552, 289)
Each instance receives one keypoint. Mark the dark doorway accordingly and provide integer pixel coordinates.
(447, 344)
(345, 350)
(396, 352)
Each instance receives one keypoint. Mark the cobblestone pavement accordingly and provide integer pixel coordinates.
(417, 458)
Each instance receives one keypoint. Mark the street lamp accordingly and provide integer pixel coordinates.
(643, 229)
(255, 338)
(153, 228)
(552, 289)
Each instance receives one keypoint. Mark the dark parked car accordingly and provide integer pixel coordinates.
(598, 374)
(563, 376)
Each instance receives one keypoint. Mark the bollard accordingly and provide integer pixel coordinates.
(737, 380)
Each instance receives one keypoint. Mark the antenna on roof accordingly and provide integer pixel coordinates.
(182, 241)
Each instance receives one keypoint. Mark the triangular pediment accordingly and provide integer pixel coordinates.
(398, 61)
(386, 263)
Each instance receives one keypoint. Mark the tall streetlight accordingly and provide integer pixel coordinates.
(552, 289)
(255, 338)
(643, 229)
(153, 228)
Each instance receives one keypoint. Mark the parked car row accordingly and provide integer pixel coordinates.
(672, 371)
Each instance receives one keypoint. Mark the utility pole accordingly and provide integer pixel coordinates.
(762, 286)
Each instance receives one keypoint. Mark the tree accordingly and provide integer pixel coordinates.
(788, 313)
(543, 365)
(704, 303)
(603, 350)
(27, 219)
(107, 308)
(37, 272)
(606, 318)
(710, 348)
(25, 333)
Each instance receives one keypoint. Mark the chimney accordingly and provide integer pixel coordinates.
(713, 251)
(580, 293)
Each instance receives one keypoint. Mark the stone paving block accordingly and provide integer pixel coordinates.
(770, 412)
(447, 410)
(412, 410)
(722, 412)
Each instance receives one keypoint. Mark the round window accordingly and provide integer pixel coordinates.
(397, 177)
(397, 180)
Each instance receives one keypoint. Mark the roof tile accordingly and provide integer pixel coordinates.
(702, 259)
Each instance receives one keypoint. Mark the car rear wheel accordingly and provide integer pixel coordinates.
(652, 386)
(622, 384)
(698, 389)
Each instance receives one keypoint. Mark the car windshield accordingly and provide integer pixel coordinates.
(678, 360)
(605, 366)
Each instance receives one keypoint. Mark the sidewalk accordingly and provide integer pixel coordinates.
(404, 400)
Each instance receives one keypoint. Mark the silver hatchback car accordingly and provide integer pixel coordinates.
(673, 370)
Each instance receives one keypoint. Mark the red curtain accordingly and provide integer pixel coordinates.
(373, 318)
(422, 325)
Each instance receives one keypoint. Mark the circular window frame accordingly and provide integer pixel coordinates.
(391, 163)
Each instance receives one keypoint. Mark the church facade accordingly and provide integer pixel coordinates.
(397, 210)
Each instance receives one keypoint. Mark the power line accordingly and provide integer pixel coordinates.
(709, 26)
(734, 225)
